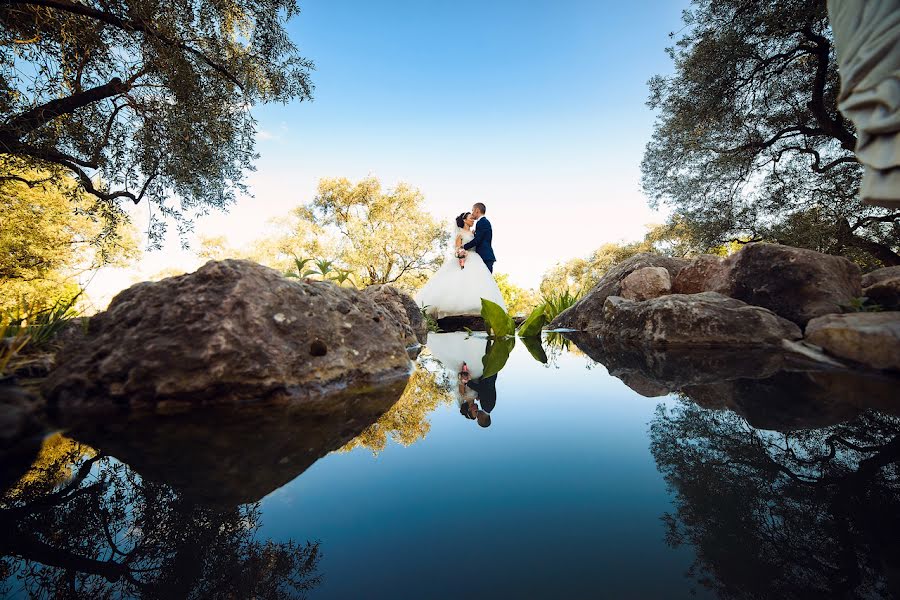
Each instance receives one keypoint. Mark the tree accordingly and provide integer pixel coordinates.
(53, 232)
(809, 513)
(381, 236)
(749, 144)
(519, 301)
(579, 275)
(142, 100)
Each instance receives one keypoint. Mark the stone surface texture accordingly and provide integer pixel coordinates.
(402, 310)
(706, 273)
(885, 293)
(873, 277)
(646, 283)
(795, 283)
(697, 320)
(872, 339)
(588, 311)
(232, 332)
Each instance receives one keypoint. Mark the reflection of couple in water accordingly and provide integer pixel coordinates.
(464, 356)
(473, 391)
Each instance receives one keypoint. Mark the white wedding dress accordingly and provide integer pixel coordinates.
(453, 291)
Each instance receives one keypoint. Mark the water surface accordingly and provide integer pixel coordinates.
(579, 486)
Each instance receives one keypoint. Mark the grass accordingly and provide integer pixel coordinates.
(29, 326)
(558, 302)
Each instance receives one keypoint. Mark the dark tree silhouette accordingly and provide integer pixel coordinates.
(82, 526)
(810, 513)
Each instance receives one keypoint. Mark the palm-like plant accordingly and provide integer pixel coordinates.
(300, 264)
(323, 267)
(342, 276)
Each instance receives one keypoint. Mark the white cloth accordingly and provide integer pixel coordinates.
(453, 291)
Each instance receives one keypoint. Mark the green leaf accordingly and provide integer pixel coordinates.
(535, 348)
(497, 355)
(496, 321)
(534, 323)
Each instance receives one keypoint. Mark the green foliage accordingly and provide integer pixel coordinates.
(861, 304)
(496, 321)
(580, 274)
(555, 303)
(430, 322)
(154, 97)
(40, 325)
(535, 322)
(749, 143)
(50, 233)
(383, 236)
(536, 348)
(497, 354)
(518, 300)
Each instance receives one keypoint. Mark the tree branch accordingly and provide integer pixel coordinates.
(128, 25)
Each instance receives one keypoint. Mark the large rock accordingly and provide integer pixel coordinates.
(885, 293)
(402, 310)
(234, 331)
(646, 283)
(872, 339)
(696, 320)
(879, 275)
(796, 283)
(589, 310)
(706, 273)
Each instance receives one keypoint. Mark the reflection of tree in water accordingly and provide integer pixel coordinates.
(83, 525)
(406, 422)
(810, 513)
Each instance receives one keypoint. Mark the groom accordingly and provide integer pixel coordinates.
(483, 236)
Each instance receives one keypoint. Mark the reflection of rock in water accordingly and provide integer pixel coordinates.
(771, 389)
(231, 455)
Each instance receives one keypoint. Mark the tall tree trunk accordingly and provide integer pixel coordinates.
(879, 251)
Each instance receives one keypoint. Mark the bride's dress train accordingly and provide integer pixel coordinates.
(458, 292)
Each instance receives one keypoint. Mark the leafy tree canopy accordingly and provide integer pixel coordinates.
(749, 144)
(142, 100)
(53, 232)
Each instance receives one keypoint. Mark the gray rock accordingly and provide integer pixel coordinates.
(706, 273)
(693, 320)
(232, 332)
(871, 339)
(402, 310)
(589, 310)
(795, 283)
(873, 277)
(646, 283)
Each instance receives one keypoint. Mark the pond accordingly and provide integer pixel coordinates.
(543, 476)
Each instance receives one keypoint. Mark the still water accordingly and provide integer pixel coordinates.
(565, 483)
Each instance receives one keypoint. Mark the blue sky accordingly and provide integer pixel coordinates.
(535, 108)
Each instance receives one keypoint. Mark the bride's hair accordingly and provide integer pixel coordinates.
(461, 220)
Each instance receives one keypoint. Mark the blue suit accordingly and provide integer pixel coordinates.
(482, 243)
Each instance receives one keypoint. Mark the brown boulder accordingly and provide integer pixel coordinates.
(885, 293)
(706, 273)
(695, 320)
(878, 275)
(588, 311)
(233, 331)
(402, 310)
(646, 283)
(872, 339)
(795, 283)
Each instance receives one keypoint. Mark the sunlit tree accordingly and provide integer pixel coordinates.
(53, 232)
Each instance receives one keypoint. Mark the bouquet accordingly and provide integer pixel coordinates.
(461, 255)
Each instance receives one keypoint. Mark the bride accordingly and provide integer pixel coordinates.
(459, 285)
